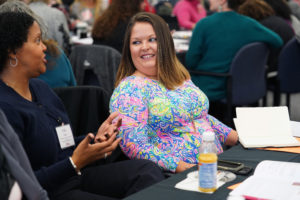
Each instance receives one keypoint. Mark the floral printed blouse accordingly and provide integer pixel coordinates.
(163, 125)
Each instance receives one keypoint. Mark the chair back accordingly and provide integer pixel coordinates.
(87, 107)
(289, 67)
(247, 70)
(95, 65)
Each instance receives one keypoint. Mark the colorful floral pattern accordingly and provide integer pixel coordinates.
(163, 125)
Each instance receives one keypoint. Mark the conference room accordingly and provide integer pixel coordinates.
(115, 99)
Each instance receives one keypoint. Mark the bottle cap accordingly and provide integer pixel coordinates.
(208, 136)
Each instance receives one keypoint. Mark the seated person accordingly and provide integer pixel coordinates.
(215, 41)
(65, 166)
(109, 28)
(14, 161)
(264, 13)
(188, 13)
(163, 113)
(59, 71)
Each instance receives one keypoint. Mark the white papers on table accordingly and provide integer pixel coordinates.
(264, 127)
(272, 180)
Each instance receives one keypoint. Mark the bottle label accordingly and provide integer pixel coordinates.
(207, 175)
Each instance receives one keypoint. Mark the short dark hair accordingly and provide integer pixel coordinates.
(234, 4)
(281, 8)
(14, 28)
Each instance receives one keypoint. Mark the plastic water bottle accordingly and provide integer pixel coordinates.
(208, 163)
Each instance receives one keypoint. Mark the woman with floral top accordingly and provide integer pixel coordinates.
(163, 113)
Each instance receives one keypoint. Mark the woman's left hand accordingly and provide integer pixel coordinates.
(107, 128)
(232, 138)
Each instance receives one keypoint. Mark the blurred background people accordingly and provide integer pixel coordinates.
(188, 13)
(87, 10)
(282, 9)
(295, 8)
(214, 43)
(263, 12)
(59, 71)
(165, 10)
(55, 20)
(109, 28)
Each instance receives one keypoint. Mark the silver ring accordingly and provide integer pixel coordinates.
(105, 155)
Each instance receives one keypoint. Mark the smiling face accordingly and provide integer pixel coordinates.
(143, 49)
(31, 55)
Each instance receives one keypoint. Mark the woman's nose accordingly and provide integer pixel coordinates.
(44, 47)
(145, 46)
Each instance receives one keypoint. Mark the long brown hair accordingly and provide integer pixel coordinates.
(171, 73)
(118, 10)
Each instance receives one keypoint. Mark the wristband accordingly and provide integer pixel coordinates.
(75, 167)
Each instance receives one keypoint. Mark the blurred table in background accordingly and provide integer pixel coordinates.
(181, 42)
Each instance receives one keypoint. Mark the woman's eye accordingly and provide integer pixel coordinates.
(38, 40)
(152, 39)
(135, 42)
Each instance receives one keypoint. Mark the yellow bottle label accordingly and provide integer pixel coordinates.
(208, 172)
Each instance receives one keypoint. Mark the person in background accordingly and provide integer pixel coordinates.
(109, 29)
(55, 20)
(21, 182)
(164, 9)
(295, 8)
(188, 13)
(86, 10)
(65, 166)
(163, 113)
(263, 12)
(282, 9)
(215, 41)
(59, 71)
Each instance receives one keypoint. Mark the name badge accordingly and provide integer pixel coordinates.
(65, 136)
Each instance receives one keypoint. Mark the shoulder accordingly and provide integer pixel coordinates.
(133, 86)
(38, 84)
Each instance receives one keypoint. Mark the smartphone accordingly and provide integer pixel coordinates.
(244, 171)
(230, 165)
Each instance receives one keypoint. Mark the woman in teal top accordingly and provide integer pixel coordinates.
(59, 70)
(215, 41)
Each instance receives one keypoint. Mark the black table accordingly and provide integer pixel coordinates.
(251, 157)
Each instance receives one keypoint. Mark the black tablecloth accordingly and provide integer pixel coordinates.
(251, 157)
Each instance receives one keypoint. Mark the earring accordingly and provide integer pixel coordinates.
(13, 64)
(220, 8)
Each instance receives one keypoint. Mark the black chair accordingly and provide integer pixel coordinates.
(288, 74)
(246, 82)
(95, 65)
(87, 107)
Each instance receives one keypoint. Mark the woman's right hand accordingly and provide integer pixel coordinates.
(182, 166)
(86, 153)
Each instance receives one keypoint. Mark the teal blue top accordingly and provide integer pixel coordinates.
(59, 71)
(215, 41)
